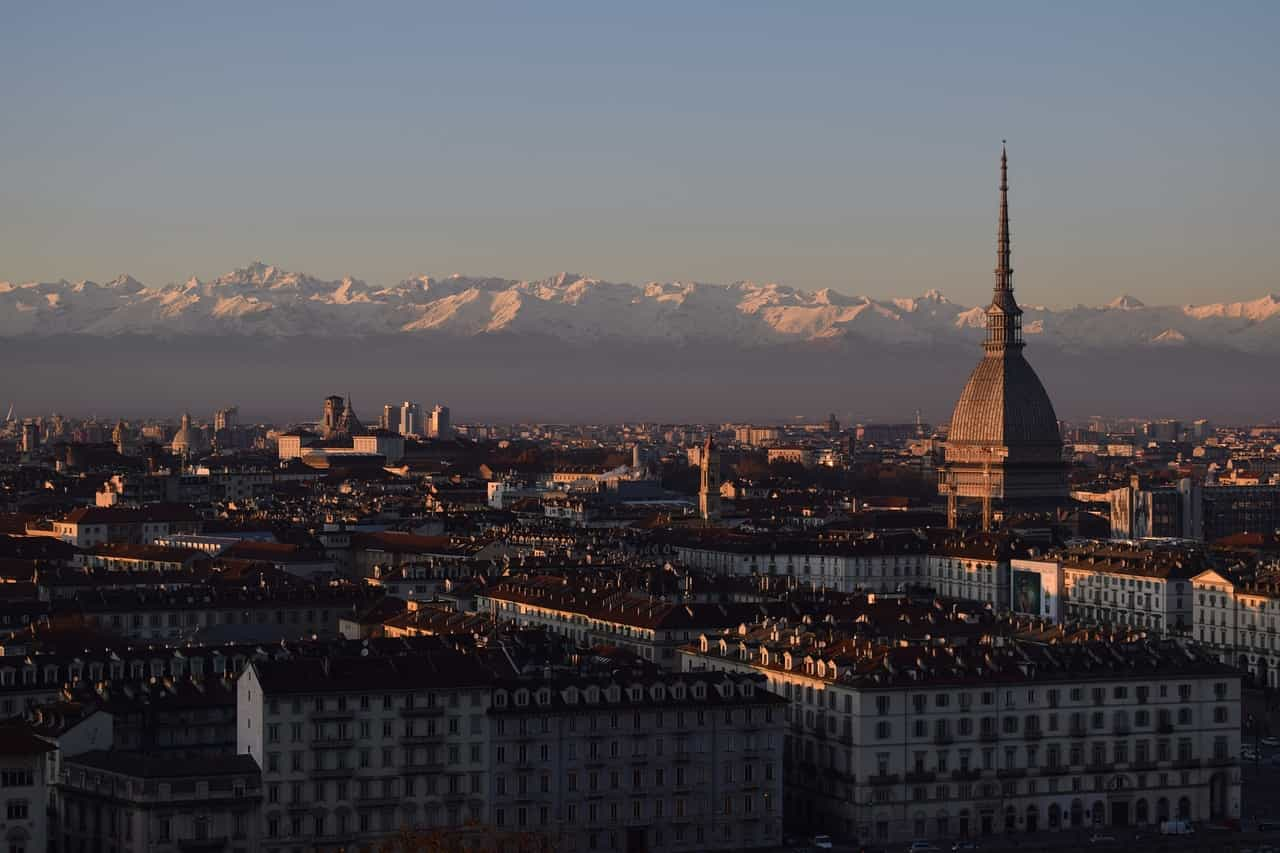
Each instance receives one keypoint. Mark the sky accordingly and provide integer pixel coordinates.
(844, 145)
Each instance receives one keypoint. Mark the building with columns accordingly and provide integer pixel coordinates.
(1003, 447)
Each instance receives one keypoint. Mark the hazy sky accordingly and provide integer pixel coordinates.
(844, 145)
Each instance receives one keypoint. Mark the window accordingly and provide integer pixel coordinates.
(17, 809)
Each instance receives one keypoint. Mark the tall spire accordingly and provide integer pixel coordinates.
(1004, 255)
(1004, 317)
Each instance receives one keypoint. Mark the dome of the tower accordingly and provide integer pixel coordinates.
(1003, 404)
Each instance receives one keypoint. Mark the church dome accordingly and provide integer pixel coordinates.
(1003, 443)
(1004, 404)
(185, 440)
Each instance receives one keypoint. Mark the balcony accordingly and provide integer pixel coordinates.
(1120, 729)
(1142, 765)
(1059, 770)
(966, 775)
(379, 800)
(333, 773)
(1165, 728)
(420, 766)
(1032, 734)
(943, 739)
(1077, 730)
(920, 777)
(1226, 761)
(1011, 773)
(1186, 764)
(885, 779)
(195, 845)
(334, 743)
(320, 716)
(989, 736)
(427, 711)
(1099, 767)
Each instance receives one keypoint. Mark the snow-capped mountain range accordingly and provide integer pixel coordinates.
(263, 300)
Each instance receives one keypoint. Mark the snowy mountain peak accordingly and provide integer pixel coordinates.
(1125, 302)
(264, 300)
(1169, 337)
(125, 283)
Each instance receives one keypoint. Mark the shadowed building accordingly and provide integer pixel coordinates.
(709, 486)
(1004, 447)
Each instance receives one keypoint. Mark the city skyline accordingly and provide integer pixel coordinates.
(792, 521)
(840, 149)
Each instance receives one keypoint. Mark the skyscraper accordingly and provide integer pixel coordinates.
(440, 424)
(226, 418)
(30, 436)
(410, 419)
(1004, 446)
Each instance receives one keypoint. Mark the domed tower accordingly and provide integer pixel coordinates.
(185, 441)
(1004, 446)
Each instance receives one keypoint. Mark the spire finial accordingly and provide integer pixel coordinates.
(1004, 318)
(1004, 265)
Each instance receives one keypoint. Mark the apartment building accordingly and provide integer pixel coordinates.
(353, 748)
(1237, 618)
(26, 769)
(893, 741)
(975, 567)
(133, 801)
(89, 526)
(877, 563)
(590, 613)
(666, 762)
(1148, 588)
(291, 611)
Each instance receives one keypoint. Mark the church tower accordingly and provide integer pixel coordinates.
(709, 490)
(1003, 446)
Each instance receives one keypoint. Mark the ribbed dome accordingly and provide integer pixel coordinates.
(184, 441)
(1004, 404)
